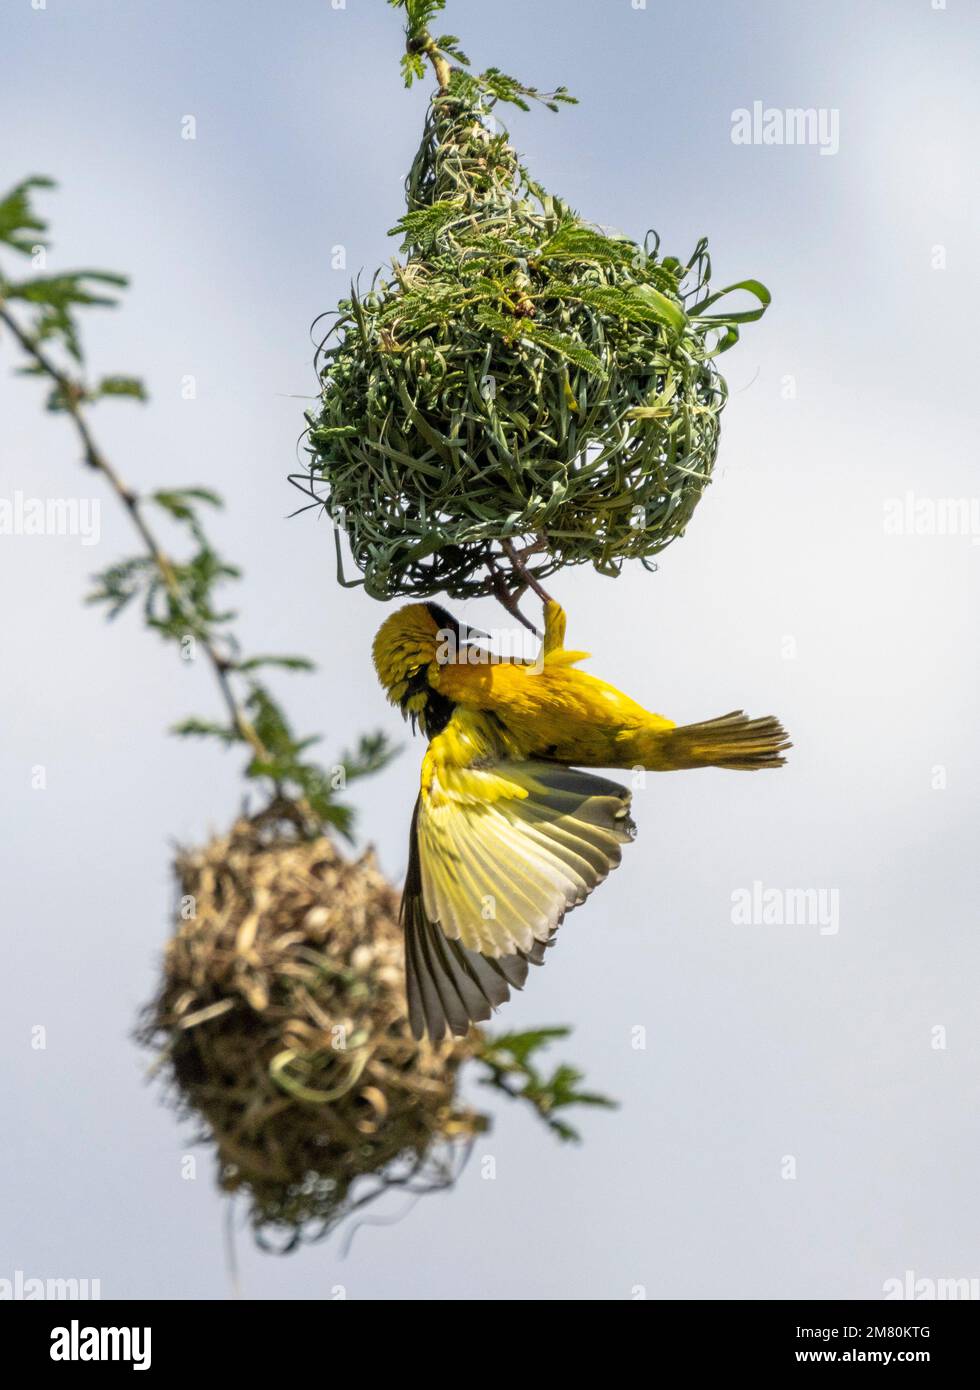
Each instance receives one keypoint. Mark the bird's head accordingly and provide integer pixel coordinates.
(409, 643)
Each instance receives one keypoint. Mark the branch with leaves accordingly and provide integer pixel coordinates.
(179, 596)
(449, 63)
(510, 1060)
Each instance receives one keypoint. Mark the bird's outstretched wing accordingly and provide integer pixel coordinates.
(499, 853)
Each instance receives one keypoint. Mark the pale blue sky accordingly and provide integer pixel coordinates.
(762, 1041)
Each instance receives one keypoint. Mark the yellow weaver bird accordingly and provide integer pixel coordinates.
(507, 836)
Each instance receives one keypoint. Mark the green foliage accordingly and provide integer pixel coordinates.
(521, 375)
(511, 1061)
(122, 581)
(18, 220)
(129, 386)
(285, 663)
(492, 86)
(206, 728)
(487, 87)
(419, 14)
(179, 595)
(370, 755)
(179, 501)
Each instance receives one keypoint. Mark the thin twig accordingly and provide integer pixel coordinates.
(517, 561)
(506, 596)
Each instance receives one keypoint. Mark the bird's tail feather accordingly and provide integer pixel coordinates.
(733, 741)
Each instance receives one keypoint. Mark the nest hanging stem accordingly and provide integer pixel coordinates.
(423, 42)
(517, 558)
(509, 594)
(508, 598)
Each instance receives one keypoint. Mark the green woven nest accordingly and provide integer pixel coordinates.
(522, 375)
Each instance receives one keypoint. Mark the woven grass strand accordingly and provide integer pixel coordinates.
(521, 375)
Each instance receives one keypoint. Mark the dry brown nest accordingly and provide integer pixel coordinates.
(281, 1017)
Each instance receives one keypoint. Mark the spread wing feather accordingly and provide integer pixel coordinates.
(499, 854)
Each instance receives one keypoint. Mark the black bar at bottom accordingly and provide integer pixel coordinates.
(173, 1338)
